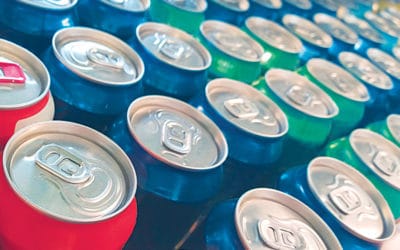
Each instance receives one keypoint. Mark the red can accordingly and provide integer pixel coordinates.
(24, 90)
(65, 186)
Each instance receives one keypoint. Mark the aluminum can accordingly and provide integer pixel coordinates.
(176, 63)
(229, 11)
(267, 219)
(346, 91)
(393, 243)
(234, 53)
(65, 186)
(25, 96)
(297, 7)
(32, 23)
(186, 15)
(388, 128)
(350, 204)
(265, 8)
(390, 14)
(281, 48)
(328, 7)
(95, 76)
(359, 7)
(117, 17)
(309, 110)
(316, 42)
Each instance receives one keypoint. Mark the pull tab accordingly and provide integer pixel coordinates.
(171, 49)
(241, 108)
(62, 163)
(385, 163)
(277, 236)
(299, 95)
(176, 137)
(105, 58)
(340, 83)
(11, 73)
(346, 199)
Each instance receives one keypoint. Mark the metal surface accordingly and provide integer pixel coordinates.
(50, 4)
(272, 4)
(128, 5)
(385, 62)
(393, 124)
(235, 5)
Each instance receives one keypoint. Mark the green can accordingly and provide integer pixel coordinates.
(281, 48)
(186, 15)
(389, 128)
(349, 94)
(234, 53)
(376, 158)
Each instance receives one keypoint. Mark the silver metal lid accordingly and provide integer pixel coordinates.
(246, 108)
(269, 219)
(175, 133)
(332, 5)
(301, 4)
(396, 52)
(69, 171)
(336, 28)
(197, 6)
(235, 5)
(50, 4)
(231, 40)
(128, 5)
(381, 24)
(307, 30)
(337, 79)
(271, 4)
(97, 56)
(351, 199)
(385, 62)
(379, 154)
(173, 46)
(365, 70)
(274, 35)
(24, 80)
(299, 93)
(393, 124)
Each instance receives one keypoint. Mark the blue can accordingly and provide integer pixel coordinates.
(267, 219)
(32, 23)
(176, 63)
(118, 17)
(228, 11)
(269, 9)
(349, 203)
(328, 7)
(94, 75)
(297, 7)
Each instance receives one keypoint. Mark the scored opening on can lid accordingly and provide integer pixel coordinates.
(267, 218)
(231, 40)
(299, 93)
(274, 35)
(385, 62)
(270, 4)
(173, 46)
(337, 79)
(35, 84)
(246, 108)
(301, 4)
(353, 200)
(307, 30)
(69, 171)
(128, 5)
(50, 4)
(235, 5)
(378, 154)
(332, 5)
(393, 124)
(336, 28)
(197, 6)
(177, 134)
(381, 24)
(97, 56)
(364, 70)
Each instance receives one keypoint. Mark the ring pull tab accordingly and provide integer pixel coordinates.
(299, 95)
(346, 199)
(385, 163)
(176, 137)
(105, 58)
(241, 108)
(11, 73)
(275, 235)
(171, 48)
(340, 83)
(62, 163)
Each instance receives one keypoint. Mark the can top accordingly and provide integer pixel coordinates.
(393, 124)
(396, 52)
(354, 201)
(246, 108)
(176, 134)
(274, 35)
(235, 5)
(379, 154)
(337, 79)
(307, 31)
(173, 46)
(299, 93)
(97, 56)
(336, 28)
(197, 6)
(129, 5)
(24, 80)
(270, 4)
(287, 223)
(332, 5)
(385, 62)
(365, 70)
(381, 24)
(50, 4)
(231, 40)
(69, 172)
(301, 4)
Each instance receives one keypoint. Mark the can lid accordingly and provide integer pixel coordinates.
(197, 6)
(379, 154)
(332, 5)
(336, 28)
(393, 124)
(385, 62)
(301, 4)
(69, 171)
(24, 80)
(354, 201)
(270, 4)
(50, 4)
(235, 5)
(231, 40)
(173, 46)
(129, 5)
(337, 79)
(176, 134)
(246, 108)
(299, 93)
(381, 24)
(274, 35)
(307, 30)
(270, 219)
(97, 56)
(365, 70)
(396, 52)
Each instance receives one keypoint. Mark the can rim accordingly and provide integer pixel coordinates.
(275, 4)
(303, 4)
(380, 53)
(392, 118)
(146, 6)
(37, 5)
(322, 17)
(229, 6)
(202, 6)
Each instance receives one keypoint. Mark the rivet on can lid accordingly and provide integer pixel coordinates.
(393, 124)
(189, 5)
(11, 73)
(129, 5)
(385, 62)
(50, 4)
